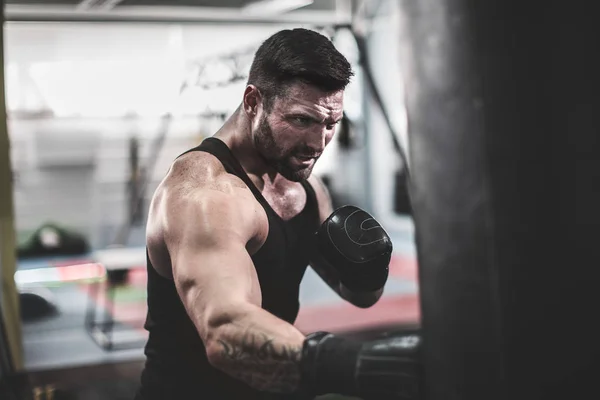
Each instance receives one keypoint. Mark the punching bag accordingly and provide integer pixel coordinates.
(503, 105)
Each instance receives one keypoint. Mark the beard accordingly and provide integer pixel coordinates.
(279, 158)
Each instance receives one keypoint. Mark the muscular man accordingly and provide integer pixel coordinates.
(231, 230)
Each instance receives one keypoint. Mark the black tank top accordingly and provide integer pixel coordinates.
(176, 364)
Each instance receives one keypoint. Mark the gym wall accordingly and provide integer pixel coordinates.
(68, 89)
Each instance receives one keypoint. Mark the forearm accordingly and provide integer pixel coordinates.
(272, 356)
(259, 349)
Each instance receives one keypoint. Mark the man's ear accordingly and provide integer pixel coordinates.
(252, 99)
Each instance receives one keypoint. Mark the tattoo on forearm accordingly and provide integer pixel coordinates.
(262, 363)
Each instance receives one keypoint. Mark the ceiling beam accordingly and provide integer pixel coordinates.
(59, 13)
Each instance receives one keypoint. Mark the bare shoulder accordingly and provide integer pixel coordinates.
(323, 197)
(199, 201)
(199, 170)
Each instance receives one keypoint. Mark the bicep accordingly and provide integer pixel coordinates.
(215, 280)
(212, 269)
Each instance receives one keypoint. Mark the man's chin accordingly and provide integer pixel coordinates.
(296, 175)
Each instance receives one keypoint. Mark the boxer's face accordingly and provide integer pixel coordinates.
(292, 135)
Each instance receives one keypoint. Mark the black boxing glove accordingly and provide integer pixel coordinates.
(377, 370)
(356, 247)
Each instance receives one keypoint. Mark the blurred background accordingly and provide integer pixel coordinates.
(101, 96)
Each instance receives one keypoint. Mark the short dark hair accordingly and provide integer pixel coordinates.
(298, 55)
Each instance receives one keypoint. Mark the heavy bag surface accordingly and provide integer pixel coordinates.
(503, 107)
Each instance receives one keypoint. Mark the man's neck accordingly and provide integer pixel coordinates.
(236, 134)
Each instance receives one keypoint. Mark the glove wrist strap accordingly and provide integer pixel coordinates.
(328, 364)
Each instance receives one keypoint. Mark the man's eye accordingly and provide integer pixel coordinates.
(303, 121)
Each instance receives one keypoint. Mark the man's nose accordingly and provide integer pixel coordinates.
(318, 140)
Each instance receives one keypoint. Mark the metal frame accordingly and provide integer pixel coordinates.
(8, 390)
(10, 323)
(100, 322)
(6, 368)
